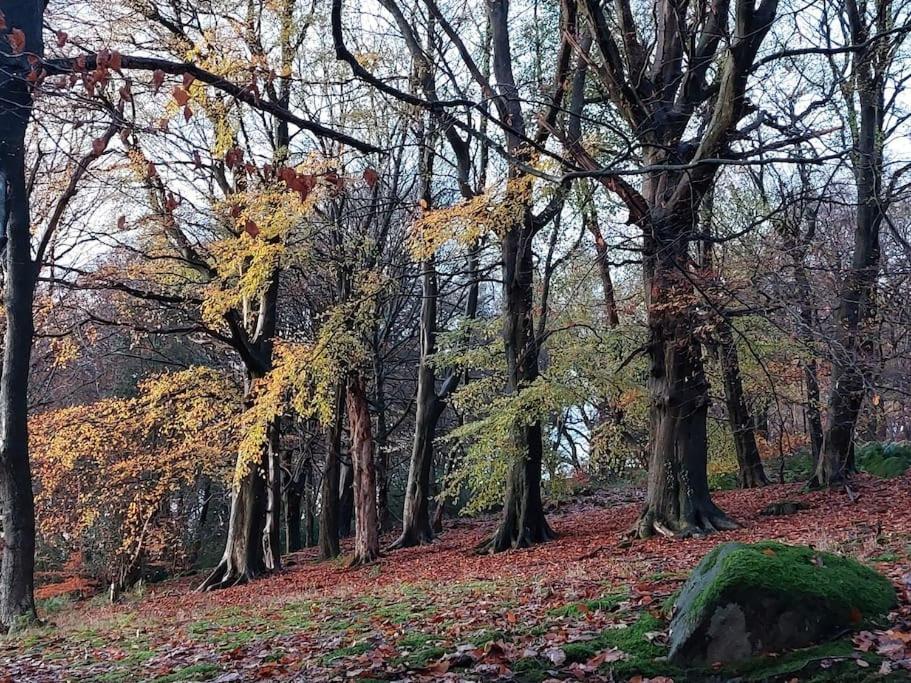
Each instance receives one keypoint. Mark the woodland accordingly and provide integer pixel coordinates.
(440, 339)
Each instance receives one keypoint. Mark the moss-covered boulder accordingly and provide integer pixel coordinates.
(744, 600)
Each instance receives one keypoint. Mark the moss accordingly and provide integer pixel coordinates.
(401, 612)
(839, 656)
(420, 649)
(886, 557)
(798, 571)
(487, 635)
(530, 670)
(605, 603)
(642, 655)
(421, 657)
(885, 460)
(196, 672)
(350, 651)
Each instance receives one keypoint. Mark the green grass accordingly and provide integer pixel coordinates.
(195, 672)
(605, 603)
(420, 649)
(350, 651)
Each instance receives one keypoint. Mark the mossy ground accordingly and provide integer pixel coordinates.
(583, 594)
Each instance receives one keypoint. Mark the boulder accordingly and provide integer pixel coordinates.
(744, 600)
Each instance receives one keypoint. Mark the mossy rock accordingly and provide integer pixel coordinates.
(744, 600)
(783, 507)
(886, 460)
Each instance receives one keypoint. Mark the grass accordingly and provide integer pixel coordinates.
(606, 603)
(195, 672)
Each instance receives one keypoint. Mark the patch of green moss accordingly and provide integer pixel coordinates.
(421, 657)
(885, 460)
(530, 670)
(195, 672)
(839, 582)
(831, 662)
(643, 656)
(605, 603)
(401, 612)
(886, 557)
(350, 651)
(487, 635)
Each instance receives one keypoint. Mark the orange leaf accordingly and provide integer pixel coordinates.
(16, 39)
(371, 177)
(180, 96)
(157, 80)
(62, 37)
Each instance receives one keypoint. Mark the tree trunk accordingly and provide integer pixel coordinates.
(678, 501)
(17, 604)
(293, 520)
(523, 522)
(381, 438)
(751, 472)
(17, 506)
(243, 557)
(202, 518)
(416, 526)
(346, 500)
(329, 493)
(252, 545)
(366, 528)
(857, 297)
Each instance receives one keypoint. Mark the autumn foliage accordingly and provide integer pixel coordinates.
(119, 481)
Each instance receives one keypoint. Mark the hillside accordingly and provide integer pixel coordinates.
(584, 607)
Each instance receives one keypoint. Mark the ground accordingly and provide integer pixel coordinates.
(587, 606)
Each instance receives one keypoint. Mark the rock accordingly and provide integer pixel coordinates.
(744, 600)
(783, 507)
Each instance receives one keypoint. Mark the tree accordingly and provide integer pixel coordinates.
(21, 35)
(871, 57)
(658, 94)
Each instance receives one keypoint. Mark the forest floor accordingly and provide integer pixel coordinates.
(586, 606)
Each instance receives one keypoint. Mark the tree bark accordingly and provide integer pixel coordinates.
(416, 525)
(523, 522)
(857, 297)
(751, 472)
(329, 490)
(243, 557)
(366, 527)
(17, 507)
(293, 505)
(678, 500)
(252, 545)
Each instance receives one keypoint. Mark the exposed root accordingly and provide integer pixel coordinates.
(700, 523)
(410, 540)
(503, 540)
(223, 576)
(360, 561)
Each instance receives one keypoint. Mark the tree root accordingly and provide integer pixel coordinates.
(223, 576)
(408, 540)
(697, 525)
(502, 541)
(358, 561)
